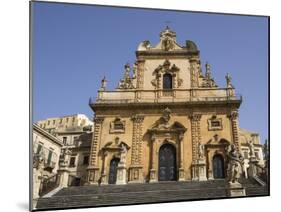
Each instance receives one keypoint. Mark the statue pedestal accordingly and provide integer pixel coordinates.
(104, 179)
(36, 183)
(121, 175)
(63, 177)
(135, 174)
(152, 176)
(252, 171)
(181, 174)
(93, 175)
(199, 170)
(236, 190)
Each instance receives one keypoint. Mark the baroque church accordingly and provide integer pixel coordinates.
(167, 120)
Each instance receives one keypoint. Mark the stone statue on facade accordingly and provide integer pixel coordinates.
(127, 81)
(201, 151)
(144, 45)
(235, 164)
(123, 154)
(208, 71)
(166, 115)
(208, 81)
(228, 81)
(39, 161)
(252, 148)
(135, 67)
(103, 83)
(168, 44)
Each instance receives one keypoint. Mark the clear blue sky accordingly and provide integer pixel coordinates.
(74, 46)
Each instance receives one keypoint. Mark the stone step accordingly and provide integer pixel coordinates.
(129, 198)
(142, 187)
(89, 196)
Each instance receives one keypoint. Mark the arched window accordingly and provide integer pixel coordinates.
(167, 81)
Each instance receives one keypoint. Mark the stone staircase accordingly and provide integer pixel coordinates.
(253, 188)
(93, 196)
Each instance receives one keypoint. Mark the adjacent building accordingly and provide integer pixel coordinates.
(75, 134)
(48, 147)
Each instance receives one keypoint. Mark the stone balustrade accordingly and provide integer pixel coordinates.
(175, 95)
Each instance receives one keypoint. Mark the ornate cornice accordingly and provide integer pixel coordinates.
(172, 53)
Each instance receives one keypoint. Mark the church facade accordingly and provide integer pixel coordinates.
(167, 120)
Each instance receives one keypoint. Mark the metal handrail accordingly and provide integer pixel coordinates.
(49, 184)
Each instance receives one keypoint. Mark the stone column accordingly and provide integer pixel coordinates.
(181, 169)
(136, 167)
(93, 169)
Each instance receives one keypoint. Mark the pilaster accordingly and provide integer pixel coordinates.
(135, 170)
(93, 169)
(181, 168)
(194, 72)
(195, 135)
(233, 116)
(140, 73)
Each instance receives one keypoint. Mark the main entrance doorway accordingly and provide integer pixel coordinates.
(218, 167)
(167, 163)
(113, 171)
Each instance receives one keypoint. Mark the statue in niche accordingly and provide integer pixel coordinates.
(235, 164)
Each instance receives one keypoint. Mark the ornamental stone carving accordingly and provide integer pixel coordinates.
(233, 115)
(127, 81)
(117, 126)
(208, 81)
(166, 68)
(168, 44)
